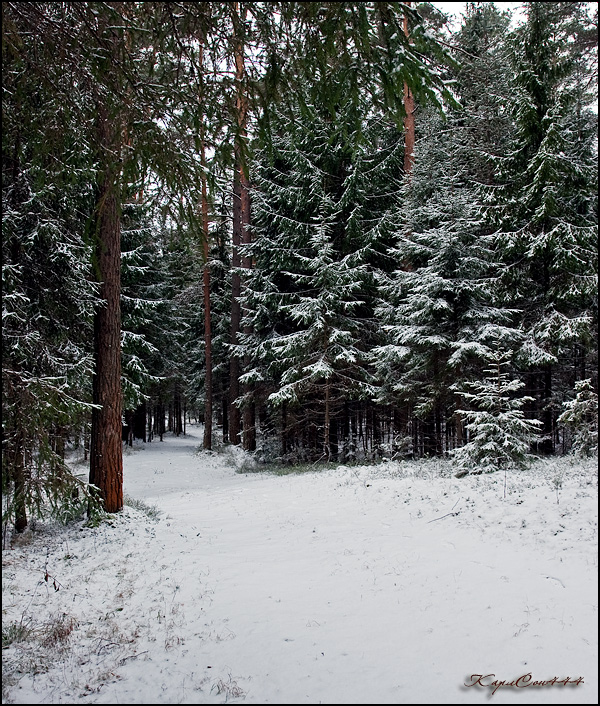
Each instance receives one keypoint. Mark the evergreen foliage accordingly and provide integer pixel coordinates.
(48, 296)
(438, 309)
(500, 436)
(581, 416)
(321, 233)
(545, 206)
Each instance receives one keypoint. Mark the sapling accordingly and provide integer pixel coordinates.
(557, 483)
(580, 415)
(499, 434)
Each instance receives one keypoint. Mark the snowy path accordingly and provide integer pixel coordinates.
(350, 586)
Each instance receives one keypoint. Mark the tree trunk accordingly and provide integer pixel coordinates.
(177, 421)
(460, 433)
(129, 421)
(334, 439)
(327, 426)
(18, 474)
(438, 429)
(106, 452)
(377, 433)
(234, 364)
(547, 445)
(207, 441)
(208, 381)
(409, 119)
(284, 432)
(60, 442)
(249, 408)
(225, 413)
(241, 218)
(345, 433)
(86, 442)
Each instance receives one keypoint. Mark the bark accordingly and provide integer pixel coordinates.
(439, 446)
(409, 119)
(284, 431)
(241, 235)
(547, 445)
(234, 364)
(460, 432)
(224, 413)
(128, 429)
(19, 480)
(334, 439)
(249, 413)
(106, 448)
(208, 380)
(345, 432)
(208, 414)
(377, 433)
(150, 426)
(106, 460)
(161, 421)
(327, 426)
(177, 421)
(416, 432)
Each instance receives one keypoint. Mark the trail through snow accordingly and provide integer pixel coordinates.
(391, 583)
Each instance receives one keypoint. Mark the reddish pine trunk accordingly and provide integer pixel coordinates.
(207, 327)
(249, 410)
(241, 216)
(234, 363)
(409, 120)
(106, 459)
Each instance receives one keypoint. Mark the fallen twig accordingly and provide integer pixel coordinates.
(442, 517)
(133, 656)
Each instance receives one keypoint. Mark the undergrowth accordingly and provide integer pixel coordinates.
(150, 511)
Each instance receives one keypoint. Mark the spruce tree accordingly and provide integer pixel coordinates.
(437, 308)
(545, 208)
(500, 437)
(93, 64)
(320, 232)
(48, 295)
(580, 415)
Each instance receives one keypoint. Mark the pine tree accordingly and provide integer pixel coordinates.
(365, 45)
(127, 128)
(106, 455)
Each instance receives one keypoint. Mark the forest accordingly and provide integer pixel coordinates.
(329, 232)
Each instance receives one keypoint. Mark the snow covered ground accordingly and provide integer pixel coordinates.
(391, 583)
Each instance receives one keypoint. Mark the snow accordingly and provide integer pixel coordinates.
(388, 583)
